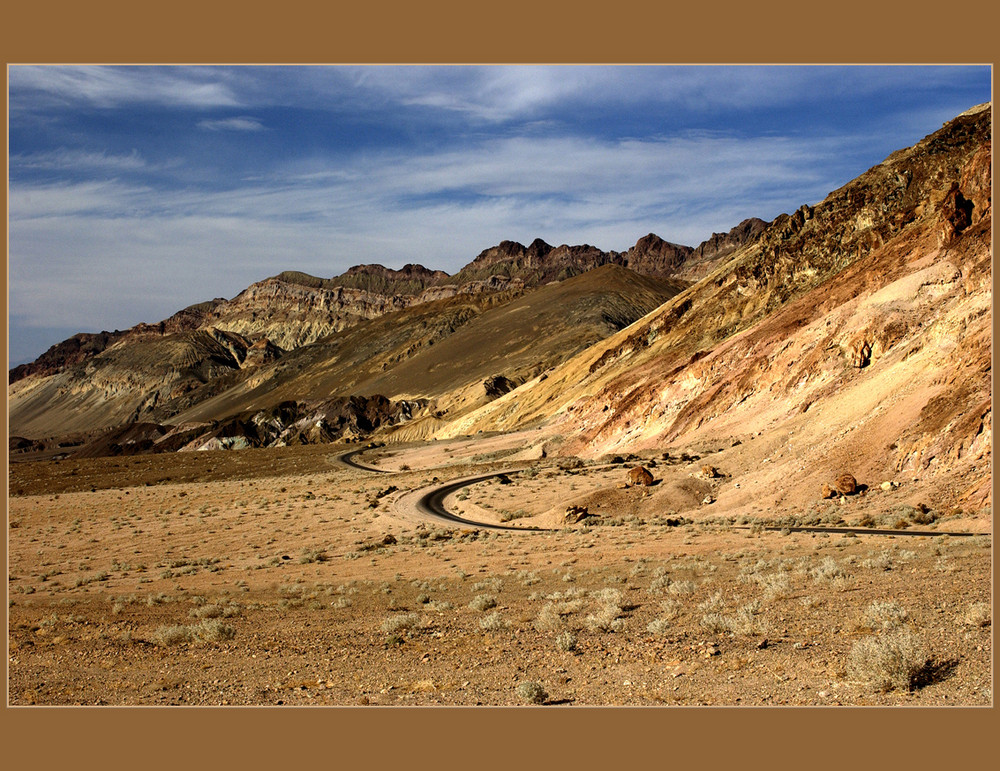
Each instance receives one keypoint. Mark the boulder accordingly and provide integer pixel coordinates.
(637, 475)
(827, 492)
(710, 472)
(847, 484)
(576, 513)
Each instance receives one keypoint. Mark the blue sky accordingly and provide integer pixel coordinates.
(136, 191)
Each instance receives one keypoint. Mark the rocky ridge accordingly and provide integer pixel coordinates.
(293, 309)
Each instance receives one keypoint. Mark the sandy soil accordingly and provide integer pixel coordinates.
(240, 581)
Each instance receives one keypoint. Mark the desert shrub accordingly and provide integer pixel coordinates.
(531, 692)
(548, 620)
(571, 592)
(492, 622)
(659, 584)
(659, 627)
(606, 618)
(493, 584)
(880, 561)
(715, 622)
(977, 614)
(213, 630)
(884, 615)
(439, 605)
(528, 578)
(483, 602)
(775, 586)
(172, 635)
(207, 611)
(682, 587)
(748, 620)
(566, 641)
(208, 630)
(400, 622)
(828, 570)
(887, 661)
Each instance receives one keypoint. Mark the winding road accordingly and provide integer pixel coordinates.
(430, 503)
(348, 460)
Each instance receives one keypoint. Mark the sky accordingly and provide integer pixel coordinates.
(135, 191)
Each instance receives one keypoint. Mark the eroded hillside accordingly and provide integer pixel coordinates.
(861, 325)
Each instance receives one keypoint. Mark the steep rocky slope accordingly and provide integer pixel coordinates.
(447, 356)
(861, 325)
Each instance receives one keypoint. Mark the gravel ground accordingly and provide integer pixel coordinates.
(284, 588)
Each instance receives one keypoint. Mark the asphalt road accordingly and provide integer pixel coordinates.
(431, 503)
(859, 530)
(348, 460)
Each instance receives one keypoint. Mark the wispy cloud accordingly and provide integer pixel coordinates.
(137, 190)
(105, 87)
(127, 251)
(74, 160)
(232, 124)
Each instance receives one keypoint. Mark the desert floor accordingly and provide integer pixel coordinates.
(282, 576)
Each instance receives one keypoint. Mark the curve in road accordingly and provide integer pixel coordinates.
(431, 503)
(347, 459)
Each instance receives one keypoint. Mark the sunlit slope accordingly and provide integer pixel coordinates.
(864, 321)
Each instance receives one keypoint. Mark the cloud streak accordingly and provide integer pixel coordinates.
(108, 87)
(135, 191)
(232, 124)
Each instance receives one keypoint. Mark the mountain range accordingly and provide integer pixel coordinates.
(861, 325)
